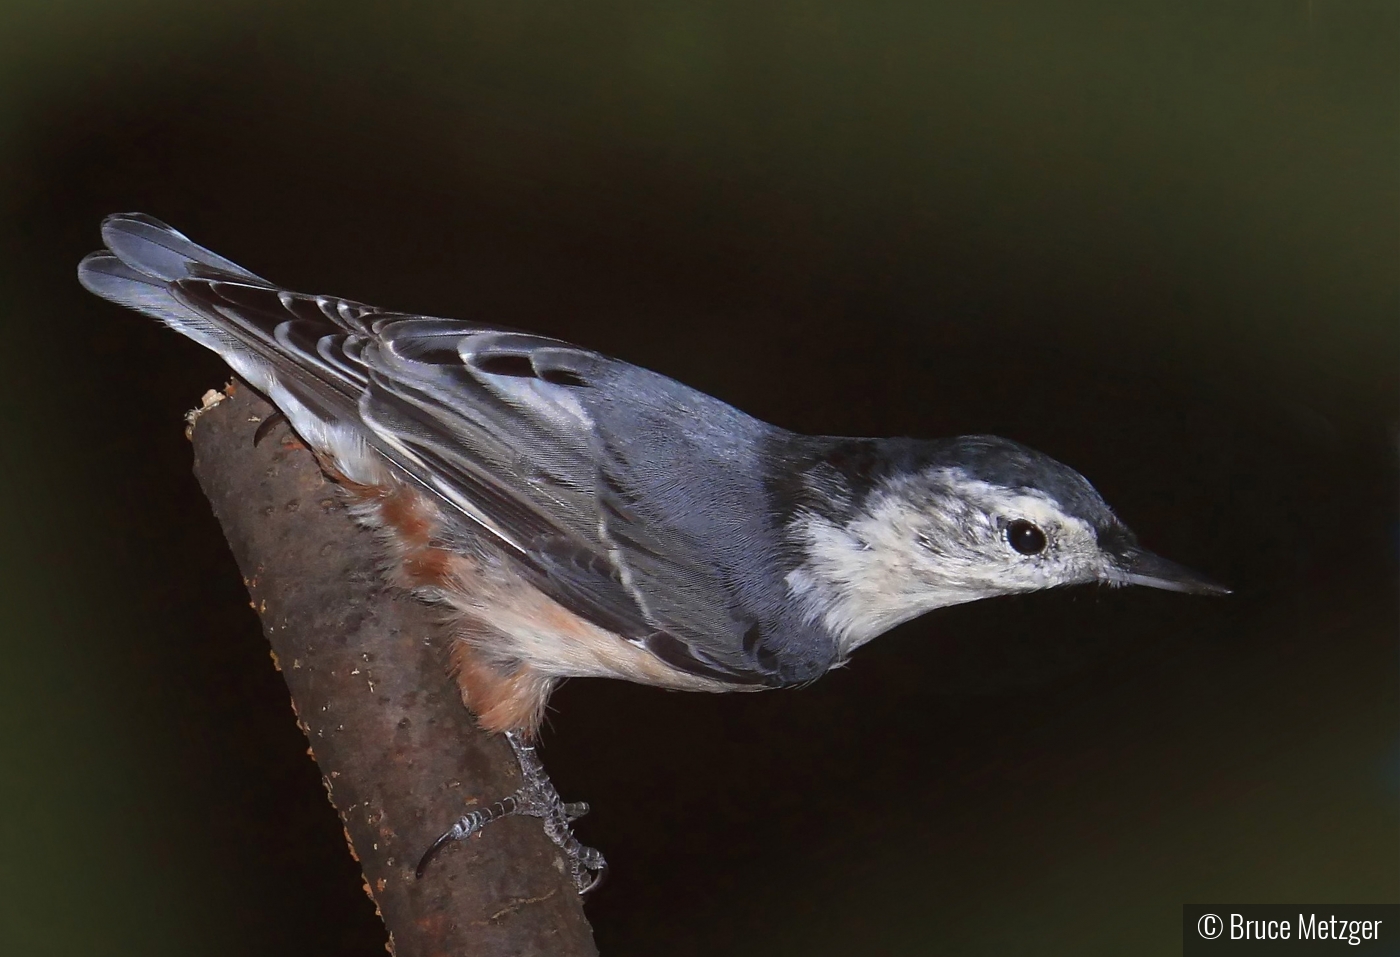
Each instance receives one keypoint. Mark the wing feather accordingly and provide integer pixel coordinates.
(583, 467)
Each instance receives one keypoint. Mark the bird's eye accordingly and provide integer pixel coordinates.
(1025, 537)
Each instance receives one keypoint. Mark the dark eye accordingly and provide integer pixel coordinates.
(1025, 537)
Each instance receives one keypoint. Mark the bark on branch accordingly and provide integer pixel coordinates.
(400, 756)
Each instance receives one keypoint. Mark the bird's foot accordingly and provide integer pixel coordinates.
(536, 797)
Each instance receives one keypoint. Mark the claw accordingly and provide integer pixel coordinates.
(266, 426)
(595, 876)
(454, 833)
(469, 824)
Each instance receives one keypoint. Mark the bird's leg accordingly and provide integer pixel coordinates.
(536, 797)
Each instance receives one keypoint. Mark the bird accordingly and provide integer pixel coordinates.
(580, 516)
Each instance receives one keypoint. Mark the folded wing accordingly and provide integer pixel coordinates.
(582, 468)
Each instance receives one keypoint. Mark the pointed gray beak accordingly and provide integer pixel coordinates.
(1137, 566)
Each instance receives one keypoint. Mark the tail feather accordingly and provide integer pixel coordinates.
(167, 253)
(293, 354)
(105, 275)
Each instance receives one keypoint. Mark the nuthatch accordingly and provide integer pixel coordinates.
(582, 517)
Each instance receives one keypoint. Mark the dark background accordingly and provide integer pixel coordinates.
(1157, 241)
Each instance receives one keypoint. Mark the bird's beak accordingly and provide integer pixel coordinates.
(1137, 566)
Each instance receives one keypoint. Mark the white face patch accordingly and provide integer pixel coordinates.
(932, 540)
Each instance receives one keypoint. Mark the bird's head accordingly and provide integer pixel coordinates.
(957, 520)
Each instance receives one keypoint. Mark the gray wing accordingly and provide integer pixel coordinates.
(626, 496)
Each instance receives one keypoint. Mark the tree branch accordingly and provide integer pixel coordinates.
(400, 756)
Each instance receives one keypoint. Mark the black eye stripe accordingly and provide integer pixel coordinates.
(1026, 537)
